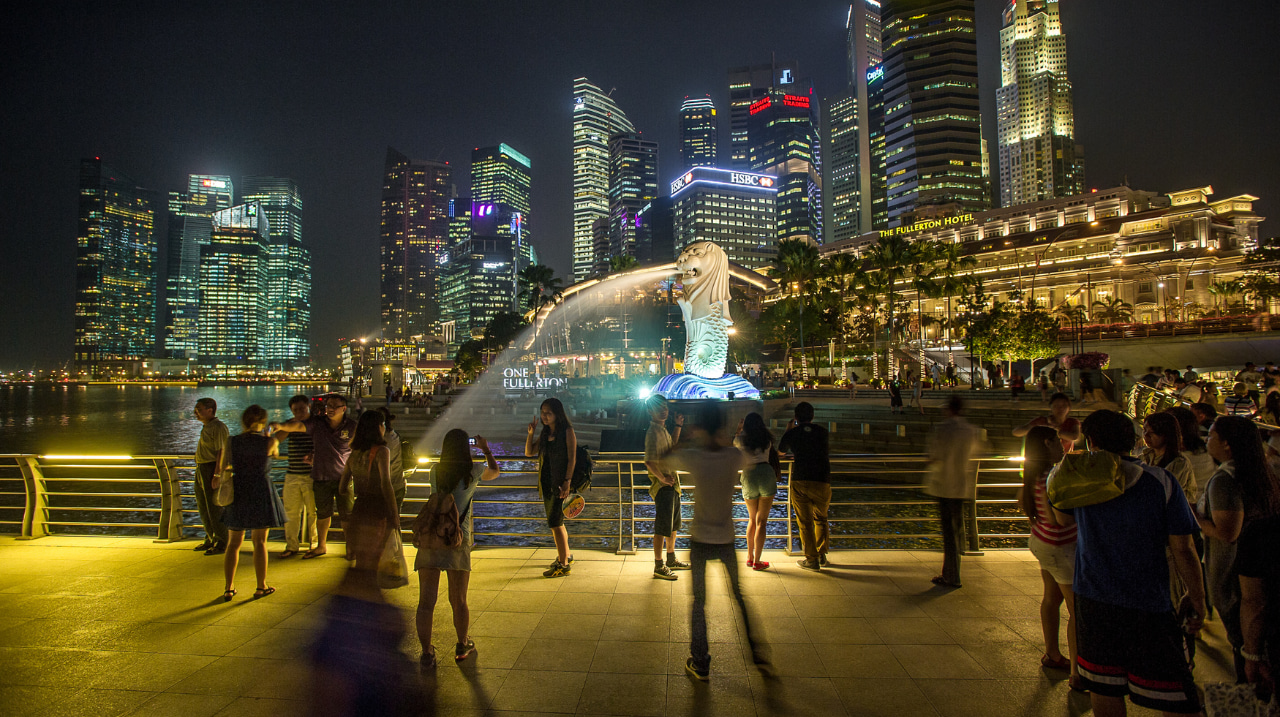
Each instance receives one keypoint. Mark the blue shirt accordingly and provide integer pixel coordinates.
(1120, 556)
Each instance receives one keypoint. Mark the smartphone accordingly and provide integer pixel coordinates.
(471, 441)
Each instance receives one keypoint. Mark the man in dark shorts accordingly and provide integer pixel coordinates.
(664, 487)
(1260, 601)
(810, 483)
(331, 435)
(1127, 636)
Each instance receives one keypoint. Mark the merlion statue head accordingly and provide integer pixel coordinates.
(705, 269)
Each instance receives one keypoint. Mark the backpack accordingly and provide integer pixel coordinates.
(582, 468)
(438, 525)
(1084, 479)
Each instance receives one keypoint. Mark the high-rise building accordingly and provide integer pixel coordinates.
(414, 237)
(287, 340)
(732, 209)
(848, 165)
(747, 85)
(459, 220)
(115, 270)
(699, 133)
(1035, 121)
(480, 276)
(190, 225)
(501, 175)
(784, 144)
(933, 124)
(234, 270)
(633, 183)
(658, 221)
(596, 118)
(879, 190)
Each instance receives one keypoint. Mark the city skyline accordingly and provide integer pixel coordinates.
(1120, 61)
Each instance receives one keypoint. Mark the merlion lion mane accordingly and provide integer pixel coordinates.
(705, 308)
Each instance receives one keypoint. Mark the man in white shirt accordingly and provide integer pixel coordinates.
(1187, 391)
(953, 480)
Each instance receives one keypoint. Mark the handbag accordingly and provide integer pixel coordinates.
(1083, 479)
(226, 493)
(1227, 700)
(393, 571)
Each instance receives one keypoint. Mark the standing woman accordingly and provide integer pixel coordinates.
(255, 506)
(368, 469)
(455, 473)
(1163, 439)
(1194, 448)
(759, 482)
(1054, 547)
(557, 450)
(917, 392)
(1242, 490)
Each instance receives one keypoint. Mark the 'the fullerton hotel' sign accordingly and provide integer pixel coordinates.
(928, 224)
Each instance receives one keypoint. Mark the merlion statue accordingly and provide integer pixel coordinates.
(705, 307)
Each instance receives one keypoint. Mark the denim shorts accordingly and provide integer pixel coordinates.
(1057, 560)
(759, 481)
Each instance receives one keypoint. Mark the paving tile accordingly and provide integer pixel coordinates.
(466, 687)
(556, 655)
(795, 695)
(859, 661)
(30, 700)
(578, 603)
(276, 643)
(882, 697)
(99, 702)
(167, 704)
(970, 630)
(145, 671)
(938, 662)
(511, 601)
(726, 659)
(568, 626)
(1014, 659)
(635, 695)
(971, 698)
(910, 631)
(505, 624)
(775, 630)
(540, 691)
(845, 630)
(264, 707)
(645, 627)
(212, 640)
(649, 604)
(888, 606)
(722, 696)
(630, 657)
(228, 676)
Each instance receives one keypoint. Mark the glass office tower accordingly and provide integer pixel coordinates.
(414, 237)
(633, 183)
(190, 225)
(234, 270)
(596, 118)
(699, 133)
(288, 332)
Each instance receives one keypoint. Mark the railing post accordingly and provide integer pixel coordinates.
(37, 503)
(170, 529)
(789, 468)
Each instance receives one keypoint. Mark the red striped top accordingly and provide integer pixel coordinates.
(1042, 528)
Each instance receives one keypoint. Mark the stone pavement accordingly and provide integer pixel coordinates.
(124, 626)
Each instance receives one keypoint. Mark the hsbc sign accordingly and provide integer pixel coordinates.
(752, 180)
(684, 181)
(709, 175)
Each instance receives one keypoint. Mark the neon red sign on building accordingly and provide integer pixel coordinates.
(762, 104)
(795, 101)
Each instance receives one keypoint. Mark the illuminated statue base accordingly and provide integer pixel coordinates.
(682, 386)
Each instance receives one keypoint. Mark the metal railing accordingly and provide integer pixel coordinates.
(878, 502)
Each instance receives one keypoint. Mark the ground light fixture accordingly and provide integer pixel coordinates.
(69, 457)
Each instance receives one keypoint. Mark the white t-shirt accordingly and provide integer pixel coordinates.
(714, 474)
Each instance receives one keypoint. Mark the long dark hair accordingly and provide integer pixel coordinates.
(455, 461)
(1257, 480)
(367, 434)
(1166, 426)
(1273, 405)
(755, 435)
(562, 421)
(1189, 426)
(1035, 461)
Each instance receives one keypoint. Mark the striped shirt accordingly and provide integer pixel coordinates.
(1043, 529)
(298, 449)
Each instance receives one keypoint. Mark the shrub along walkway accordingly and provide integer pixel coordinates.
(124, 626)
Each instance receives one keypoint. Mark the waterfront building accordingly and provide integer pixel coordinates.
(699, 133)
(115, 319)
(633, 183)
(733, 209)
(596, 118)
(658, 220)
(747, 85)
(784, 144)
(848, 164)
(287, 340)
(479, 278)
(934, 154)
(413, 239)
(190, 225)
(1159, 253)
(1035, 123)
(234, 270)
(501, 175)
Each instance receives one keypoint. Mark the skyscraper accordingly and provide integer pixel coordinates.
(115, 270)
(933, 125)
(848, 166)
(287, 341)
(190, 225)
(699, 133)
(501, 175)
(747, 85)
(596, 118)
(234, 267)
(733, 209)
(1035, 122)
(414, 236)
(479, 278)
(633, 183)
(784, 143)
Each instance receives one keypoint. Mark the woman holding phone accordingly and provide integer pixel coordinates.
(556, 448)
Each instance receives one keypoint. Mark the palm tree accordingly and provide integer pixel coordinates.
(796, 267)
(621, 263)
(891, 258)
(1222, 291)
(539, 285)
(840, 272)
(1114, 310)
(952, 284)
(1071, 313)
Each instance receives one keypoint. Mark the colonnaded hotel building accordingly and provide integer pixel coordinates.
(1158, 252)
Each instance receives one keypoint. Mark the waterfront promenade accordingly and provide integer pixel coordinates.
(124, 626)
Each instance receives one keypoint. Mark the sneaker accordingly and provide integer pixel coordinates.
(556, 571)
(751, 563)
(463, 651)
(810, 565)
(664, 573)
(557, 561)
(822, 560)
(677, 565)
(760, 565)
(692, 669)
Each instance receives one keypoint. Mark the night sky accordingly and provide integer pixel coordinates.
(1170, 94)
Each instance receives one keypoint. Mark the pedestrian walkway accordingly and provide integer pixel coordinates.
(123, 626)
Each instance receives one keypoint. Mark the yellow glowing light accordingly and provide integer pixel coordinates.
(423, 461)
(69, 457)
(1016, 459)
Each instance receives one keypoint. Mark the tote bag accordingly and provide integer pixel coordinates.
(226, 493)
(393, 571)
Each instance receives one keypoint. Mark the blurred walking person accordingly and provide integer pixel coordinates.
(953, 480)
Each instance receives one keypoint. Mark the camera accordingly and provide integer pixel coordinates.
(471, 441)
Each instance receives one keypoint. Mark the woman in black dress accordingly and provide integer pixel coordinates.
(557, 450)
(256, 506)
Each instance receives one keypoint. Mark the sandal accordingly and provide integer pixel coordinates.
(1062, 663)
(314, 553)
(1076, 686)
(288, 554)
(262, 592)
(228, 594)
